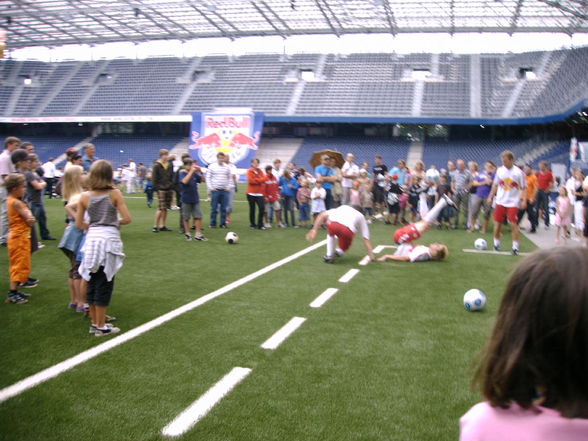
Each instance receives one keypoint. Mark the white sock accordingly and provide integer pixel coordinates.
(331, 240)
(496, 242)
(433, 214)
(340, 252)
(515, 244)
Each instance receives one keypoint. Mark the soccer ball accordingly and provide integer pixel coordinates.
(231, 238)
(474, 300)
(480, 244)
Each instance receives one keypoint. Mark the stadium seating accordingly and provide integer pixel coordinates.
(364, 149)
(120, 148)
(376, 85)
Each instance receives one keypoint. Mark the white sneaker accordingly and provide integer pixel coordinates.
(267, 225)
(107, 330)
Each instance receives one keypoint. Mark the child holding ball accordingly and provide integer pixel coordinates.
(533, 370)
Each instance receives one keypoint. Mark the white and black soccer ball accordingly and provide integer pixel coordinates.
(232, 238)
(474, 300)
(481, 244)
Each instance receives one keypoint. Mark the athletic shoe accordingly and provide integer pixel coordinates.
(24, 294)
(175, 207)
(339, 253)
(188, 237)
(40, 246)
(224, 226)
(80, 309)
(93, 329)
(281, 225)
(328, 259)
(266, 225)
(33, 280)
(262, 228)
(212, 226)
(72, 306)
(200, 237)
(496, 247)
(16, 298)
(155, 230)
(110, 319)
(164, 229)
(107, 330)
(514, 252)
(448, 200)
(28, 284)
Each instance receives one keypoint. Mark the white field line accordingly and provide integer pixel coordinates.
(323, 298)
(200, 408)
(364, 261)
(500, 253)
(59, 368)
(283, 333)
(381, 248)
(349, 275)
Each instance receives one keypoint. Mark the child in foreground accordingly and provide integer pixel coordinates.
(20, 221)
(407, 251)
(103, 250)
(533, 370)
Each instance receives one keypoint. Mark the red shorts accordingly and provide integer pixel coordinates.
(344, 234)
(406, 234)
(501, 213)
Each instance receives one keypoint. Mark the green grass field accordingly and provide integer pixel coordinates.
(387, 358)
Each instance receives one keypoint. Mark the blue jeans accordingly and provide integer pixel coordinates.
(304, 212)
(543, 204)
(39, 212)
(218, 197)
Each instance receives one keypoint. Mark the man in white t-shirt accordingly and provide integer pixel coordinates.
(342, 224)
(510, 189)
(49, 176)
(350, 173)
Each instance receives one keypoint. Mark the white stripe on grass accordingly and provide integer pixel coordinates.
(324, 297)
(200, 408)
(283, 333)
(349, 275)
(500, 253)
(59, 368)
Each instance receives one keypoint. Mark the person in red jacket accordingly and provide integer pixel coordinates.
(545, 181)
(255, 186)
(271, 194)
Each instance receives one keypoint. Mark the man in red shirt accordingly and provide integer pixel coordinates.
(545, 182)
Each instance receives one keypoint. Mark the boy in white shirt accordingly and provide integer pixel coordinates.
(342, 224)
(510, 189)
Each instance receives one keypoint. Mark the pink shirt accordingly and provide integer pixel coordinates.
(486, 423)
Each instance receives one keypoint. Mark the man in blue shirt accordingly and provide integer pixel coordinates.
(190, 176)
(89, 158)
(325, 174)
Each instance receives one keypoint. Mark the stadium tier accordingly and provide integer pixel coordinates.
(364, 149)
(120, 148)
(440, 86)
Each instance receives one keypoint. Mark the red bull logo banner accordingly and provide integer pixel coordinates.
(236, 135)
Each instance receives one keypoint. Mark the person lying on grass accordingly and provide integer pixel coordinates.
(404, 237)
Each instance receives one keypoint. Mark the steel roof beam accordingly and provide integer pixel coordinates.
(276, 15)
(278, 30)
(390, 16)
(335, 31)
(211, 21)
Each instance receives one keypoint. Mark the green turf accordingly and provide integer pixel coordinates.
(388, 357)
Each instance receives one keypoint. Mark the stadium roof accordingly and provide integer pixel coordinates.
(53, 23)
